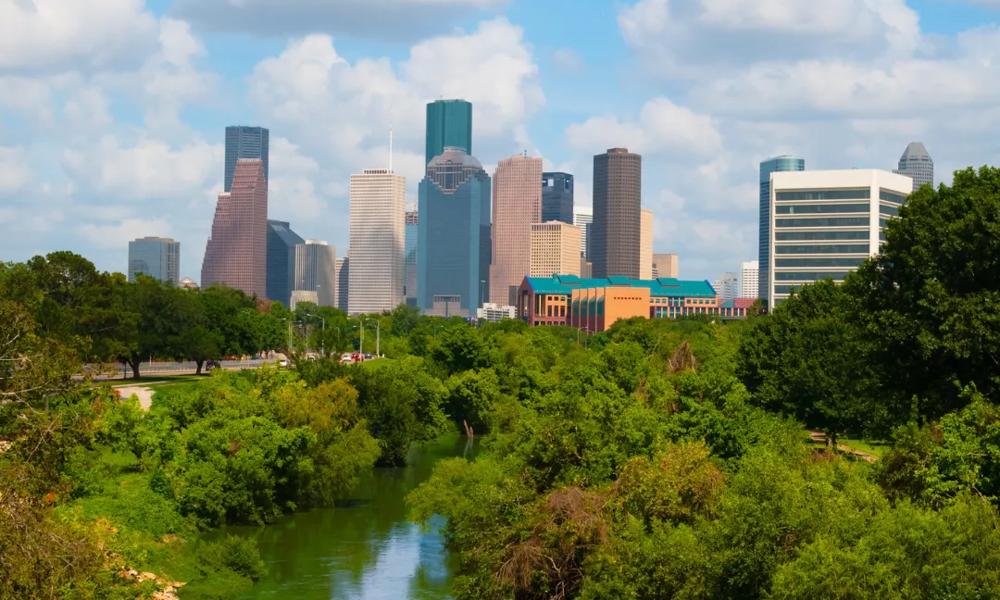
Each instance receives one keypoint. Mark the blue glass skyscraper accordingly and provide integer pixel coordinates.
(244, 142)
(281, 242)
(412, 224)
(557, 197)
(771, 165)
(449, 123)
(453, 235)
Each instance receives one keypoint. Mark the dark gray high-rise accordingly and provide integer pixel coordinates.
(281, 242)
(771, 165)
(917, 164)
(243, 141)
(557, 197)
(614, 235)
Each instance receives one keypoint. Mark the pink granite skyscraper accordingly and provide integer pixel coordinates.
(236, 255)
(517, 203)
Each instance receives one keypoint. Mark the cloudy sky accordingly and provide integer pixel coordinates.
(112, 111)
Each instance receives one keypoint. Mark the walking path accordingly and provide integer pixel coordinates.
(142, 392)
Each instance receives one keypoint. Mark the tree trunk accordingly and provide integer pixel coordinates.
(198, 365)
(135, 367)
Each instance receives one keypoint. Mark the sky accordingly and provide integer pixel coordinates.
(112, 112)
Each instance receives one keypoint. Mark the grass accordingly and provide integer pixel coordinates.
(159, 379)
(874, 447)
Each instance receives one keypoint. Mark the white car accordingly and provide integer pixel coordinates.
(283, 362)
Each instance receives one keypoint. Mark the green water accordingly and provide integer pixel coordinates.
(364, 548)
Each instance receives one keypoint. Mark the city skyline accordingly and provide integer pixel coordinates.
(128, 142)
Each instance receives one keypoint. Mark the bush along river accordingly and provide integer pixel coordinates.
(364, 548)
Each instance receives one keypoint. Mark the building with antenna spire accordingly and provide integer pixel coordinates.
(377, 241)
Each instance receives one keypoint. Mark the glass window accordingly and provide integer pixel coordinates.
(830, 222)
(858, 194)
(810, 275)
(819, 262)
(891, 196)
(886, 209)
(791, 236)
(813, 209)
(823, 249)
(786, 289)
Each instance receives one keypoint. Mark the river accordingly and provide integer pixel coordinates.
(364, 548)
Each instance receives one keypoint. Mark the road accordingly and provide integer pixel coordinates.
(159, 368)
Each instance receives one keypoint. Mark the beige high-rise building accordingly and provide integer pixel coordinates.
(665, 265)
(646, 244)
(377, 240)
(555, 249)
(517, 203)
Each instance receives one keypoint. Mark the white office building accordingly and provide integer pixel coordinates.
(583, 218)
(824, 224)
(726, 286)
(749, 279)
(377, 241)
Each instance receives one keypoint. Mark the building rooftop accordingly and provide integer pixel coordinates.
(915, 150)
(662, 287)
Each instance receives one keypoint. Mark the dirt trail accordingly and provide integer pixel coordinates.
(820, 438)
(142, 392)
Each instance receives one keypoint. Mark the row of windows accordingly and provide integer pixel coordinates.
(786, 289)
(795, 236)
(886, 209)
(813, 209)
(823, 249)
(810, 275)
(891, 196)
(831, 222)
(859, 194)
(819, 262)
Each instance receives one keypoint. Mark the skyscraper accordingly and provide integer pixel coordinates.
(749, 279)
(342, 270)
(453, 245)
(156, 257)
(826, 223)
(517, 203)
(236, 253)
(243, 141)
(281, 242)
(646, 244)
(916, 164)
(615, 234)
(557, 197)
(584, 219)
(316, 270)
(410, 257)
(555, 249)
(665, 265)
(449, 123)
(378, 208)
(772, 165)
(726, 286)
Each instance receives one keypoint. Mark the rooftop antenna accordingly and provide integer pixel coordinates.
(390, 149)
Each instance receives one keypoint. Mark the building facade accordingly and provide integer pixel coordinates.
(155, 257)
(595, 304)
(749, 279)
(281, 242)
(302, 296)
(727, 286)
(243, 141)
(584, 219)
(557, 197)
(646, 244)
(377, 238)
(236, 253)
(449, 124)
(616, 231)
(342, 270)
(777, 164)
(517, 204)
(412, 222)
(453, 241)
(916, 163)
(494, 313)
(666, 265)
(316, 270)
(826, 223)
(555, 249)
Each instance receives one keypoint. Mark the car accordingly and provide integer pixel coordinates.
(283, 362)
(346, 358)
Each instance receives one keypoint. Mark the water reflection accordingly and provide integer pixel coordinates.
(364, 548)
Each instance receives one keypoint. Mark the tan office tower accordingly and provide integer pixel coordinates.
(377, 233)
(517, 203)
(665, 265)
(646, 244)
(236, 253)
(555, 249)
(615, 234)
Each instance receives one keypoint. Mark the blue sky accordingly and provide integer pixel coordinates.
(112, 111)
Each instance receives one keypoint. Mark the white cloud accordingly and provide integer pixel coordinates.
(661, 127)
(72, 34)
(389, 20)
(117, 235)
